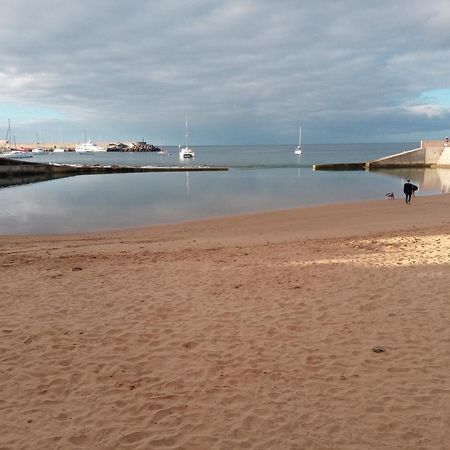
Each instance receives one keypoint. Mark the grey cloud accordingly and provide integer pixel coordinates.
(243, 71)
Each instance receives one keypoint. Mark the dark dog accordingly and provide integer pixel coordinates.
(390, 196)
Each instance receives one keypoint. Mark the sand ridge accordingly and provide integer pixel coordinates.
(196, 336)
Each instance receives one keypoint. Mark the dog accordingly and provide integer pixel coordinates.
(390, 196)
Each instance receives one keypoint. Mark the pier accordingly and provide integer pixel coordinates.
(429, 154)
(17, 171)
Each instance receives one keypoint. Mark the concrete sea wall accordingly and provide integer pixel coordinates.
(427, 155)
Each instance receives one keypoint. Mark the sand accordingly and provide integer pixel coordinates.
(248, 332)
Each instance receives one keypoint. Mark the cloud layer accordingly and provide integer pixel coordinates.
(242, 71)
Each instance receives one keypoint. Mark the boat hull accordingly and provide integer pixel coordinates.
(16, 155)
(186, 153)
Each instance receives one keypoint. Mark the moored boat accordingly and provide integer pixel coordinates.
(298, 149)
(186, 152)
(14, 154)
(89, 146)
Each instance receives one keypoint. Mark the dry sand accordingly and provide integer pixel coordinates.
(250, 332)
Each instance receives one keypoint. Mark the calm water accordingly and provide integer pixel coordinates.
(260, 178)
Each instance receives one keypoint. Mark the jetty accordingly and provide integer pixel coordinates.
(430, 154)
(19, 172)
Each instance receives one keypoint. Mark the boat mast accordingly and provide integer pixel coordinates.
(300, 137)
(8, 134)
(187, 134)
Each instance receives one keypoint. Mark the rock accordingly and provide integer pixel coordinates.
(378, 349)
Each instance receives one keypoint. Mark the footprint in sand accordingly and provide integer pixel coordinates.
(82, 439)
(314, 360)
(132, 438)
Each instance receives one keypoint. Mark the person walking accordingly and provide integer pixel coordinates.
(409, 189)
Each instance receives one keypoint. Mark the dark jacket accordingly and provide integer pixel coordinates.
(409, 188)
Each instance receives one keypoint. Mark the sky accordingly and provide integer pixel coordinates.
(241, 71)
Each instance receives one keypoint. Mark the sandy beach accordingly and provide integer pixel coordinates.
(248, 332)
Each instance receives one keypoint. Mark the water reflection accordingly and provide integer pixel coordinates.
(28, 179)
(436, 179)
(99, 202)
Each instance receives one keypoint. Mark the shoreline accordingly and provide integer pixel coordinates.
(251, 331)
(311, 219)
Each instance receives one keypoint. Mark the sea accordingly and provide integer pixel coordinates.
(260, 178)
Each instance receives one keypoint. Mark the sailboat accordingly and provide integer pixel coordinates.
(60, 148)
(8, 152)
(186, 152)
(38, 149)
(298, 149)
(161, 149)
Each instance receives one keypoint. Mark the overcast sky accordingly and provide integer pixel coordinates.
(242, 71)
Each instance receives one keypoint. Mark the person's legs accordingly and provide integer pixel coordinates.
(408, 198)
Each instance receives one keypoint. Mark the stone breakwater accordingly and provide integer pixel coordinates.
(132, 147)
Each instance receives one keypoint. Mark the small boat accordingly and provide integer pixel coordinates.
(38, 150)
(298, 149)
(88, 147)
(186, 152)
(59, 150)
(14, 154)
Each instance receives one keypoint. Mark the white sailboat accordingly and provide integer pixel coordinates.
(161, 149)
(39, 149)
(298, 149)
(60, 148)
(186, 152)
(8, 152)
